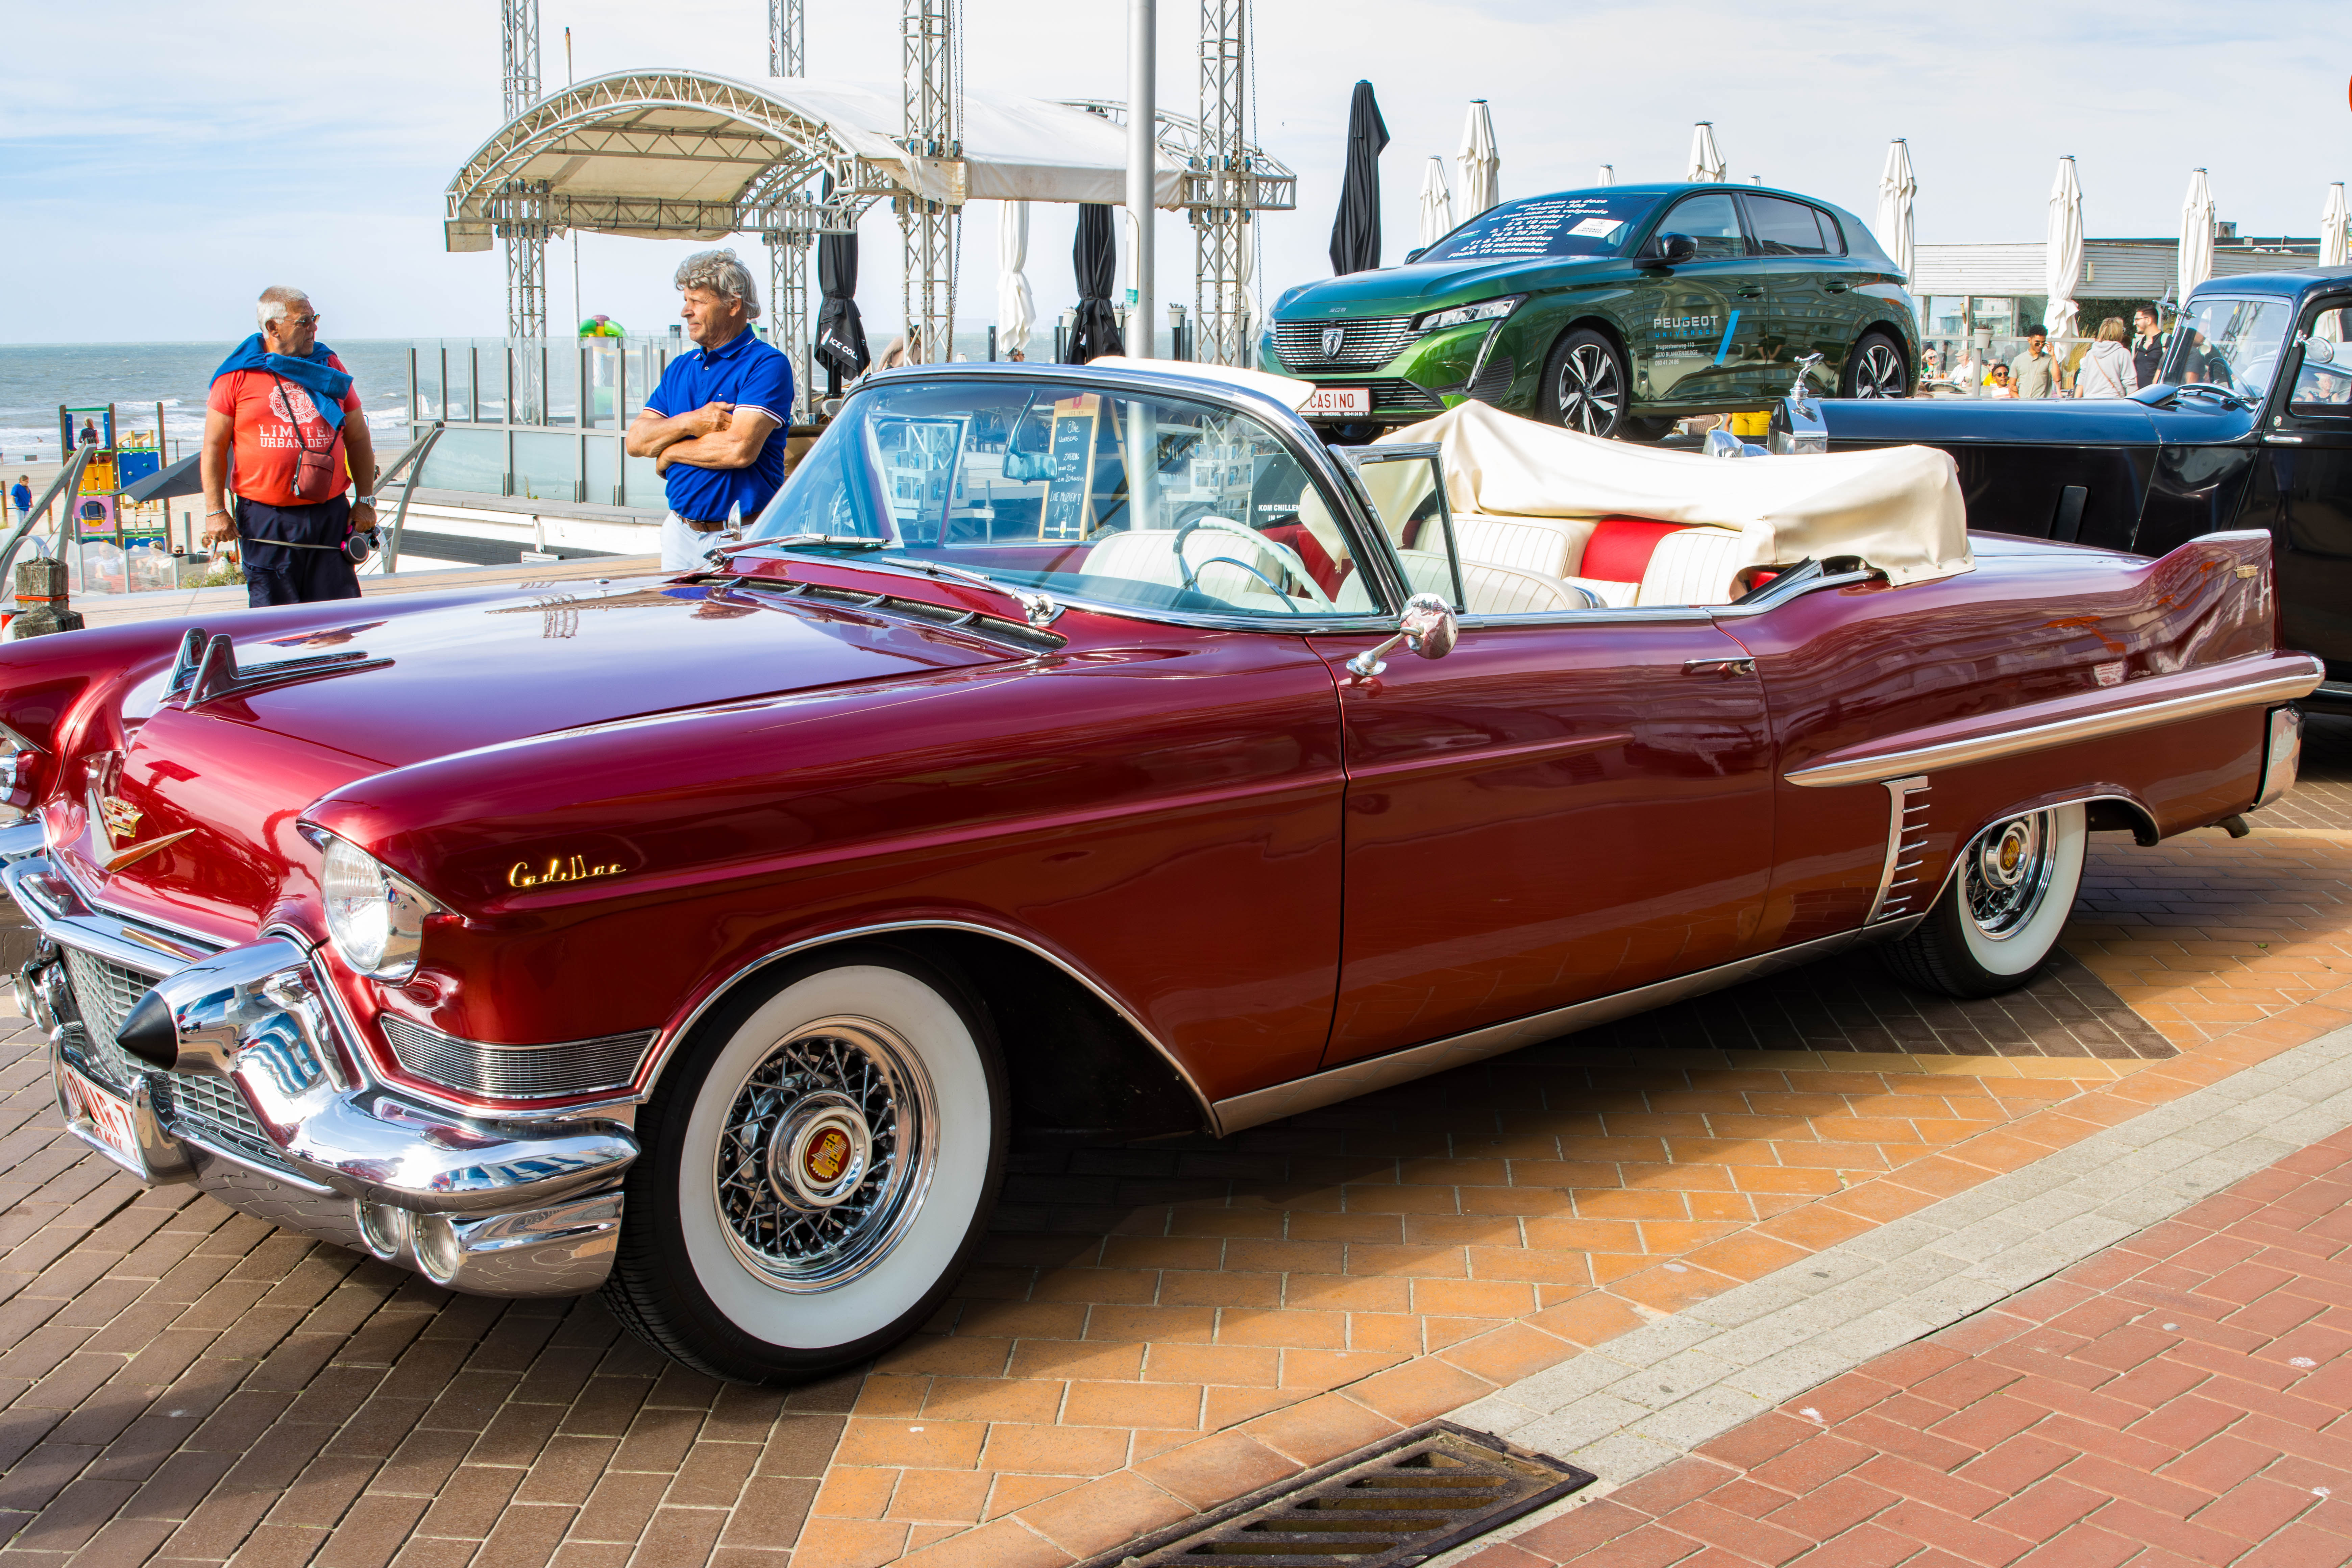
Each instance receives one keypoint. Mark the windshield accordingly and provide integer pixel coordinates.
(2228, 343)
(1039, 485)
(1574, 223)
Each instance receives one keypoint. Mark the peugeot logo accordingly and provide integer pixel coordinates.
(1334, 340)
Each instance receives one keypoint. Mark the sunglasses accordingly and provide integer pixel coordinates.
(284, 322)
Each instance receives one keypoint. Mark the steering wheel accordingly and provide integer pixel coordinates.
(2227, 396)
(1284, 559)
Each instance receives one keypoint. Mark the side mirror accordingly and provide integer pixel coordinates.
(2318, 350)
(1676, 247)
(1427, 627)
(1414, 254)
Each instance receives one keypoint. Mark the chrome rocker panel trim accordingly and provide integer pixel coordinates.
(532, 1207)
(1260, 1106)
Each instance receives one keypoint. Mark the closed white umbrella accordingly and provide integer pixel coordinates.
(1706, 165)
(1480, 164)
(1897, 187)
(1436, 203)
(2334, 245)
(1016, 310)
(2196, 234)
(2062, 251)
(1607, 175)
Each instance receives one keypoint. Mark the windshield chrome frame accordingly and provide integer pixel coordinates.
(1296, 437)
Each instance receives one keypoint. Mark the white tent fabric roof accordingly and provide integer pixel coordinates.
(670, 153)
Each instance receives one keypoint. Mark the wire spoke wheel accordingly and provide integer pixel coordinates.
(2006, 874)
(825, 1151)
(1590, 394)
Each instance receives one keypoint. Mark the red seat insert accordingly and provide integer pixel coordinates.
(1620, 547)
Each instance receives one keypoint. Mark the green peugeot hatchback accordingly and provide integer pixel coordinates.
(1615, 311)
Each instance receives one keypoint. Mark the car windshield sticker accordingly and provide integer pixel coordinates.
(1544, 225)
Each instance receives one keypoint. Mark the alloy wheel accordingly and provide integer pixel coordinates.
(1590, 395)
(1879, 370)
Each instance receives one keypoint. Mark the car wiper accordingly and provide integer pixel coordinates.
(1037, 609)
(851, 541)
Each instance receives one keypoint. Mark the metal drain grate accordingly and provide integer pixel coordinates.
(1399, 1502)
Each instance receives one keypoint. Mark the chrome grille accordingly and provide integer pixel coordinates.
(218, 1108)
(517, 1072)
(104, 994)
(1365, 344)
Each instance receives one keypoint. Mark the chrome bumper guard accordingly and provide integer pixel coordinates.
(490, 1206)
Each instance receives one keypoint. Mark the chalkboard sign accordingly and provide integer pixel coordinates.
(1070, 479)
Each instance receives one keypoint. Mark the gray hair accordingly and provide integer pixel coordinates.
(724, 274)
(274, 303)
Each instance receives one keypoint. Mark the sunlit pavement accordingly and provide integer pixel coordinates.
(1154, 1330)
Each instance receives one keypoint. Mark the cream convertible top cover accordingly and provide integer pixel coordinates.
(1899, 509)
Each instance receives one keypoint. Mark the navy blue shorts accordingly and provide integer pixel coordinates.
(277, 576)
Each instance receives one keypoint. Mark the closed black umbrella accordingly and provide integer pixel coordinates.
(1356, 232)
(1096, 257)
(840, 331)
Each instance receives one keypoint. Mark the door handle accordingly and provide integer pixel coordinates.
(1837, 288)
(2276, 439)
(1751, 294)
(1726, 667)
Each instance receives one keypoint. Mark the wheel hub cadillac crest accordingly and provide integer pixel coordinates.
(825, 1153)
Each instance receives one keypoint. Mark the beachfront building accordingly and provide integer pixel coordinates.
(1965, 289)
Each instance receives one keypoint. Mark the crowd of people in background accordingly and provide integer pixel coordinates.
(2118, 361)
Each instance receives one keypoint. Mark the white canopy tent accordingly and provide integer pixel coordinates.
(1436, 203)
(2063, 251)
(1707, 165)
(684, 154)
(1479, 162)
(2196, 234)
(1897, 187)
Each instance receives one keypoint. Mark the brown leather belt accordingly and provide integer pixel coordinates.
(700, 526)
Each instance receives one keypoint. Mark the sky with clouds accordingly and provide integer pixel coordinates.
(159, 162)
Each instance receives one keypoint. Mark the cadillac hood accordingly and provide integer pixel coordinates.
(187, 811)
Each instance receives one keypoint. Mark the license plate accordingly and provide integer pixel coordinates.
(110, 1117)
(1337, 400)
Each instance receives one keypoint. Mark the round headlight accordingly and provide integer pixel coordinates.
(375, 920)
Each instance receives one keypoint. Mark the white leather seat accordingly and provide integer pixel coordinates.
(1693, 567)
(1551, 545)
(1490, 590)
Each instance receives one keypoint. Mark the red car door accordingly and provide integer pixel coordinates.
(1553, 812)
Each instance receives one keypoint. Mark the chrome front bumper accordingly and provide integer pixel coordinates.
(268, 1105)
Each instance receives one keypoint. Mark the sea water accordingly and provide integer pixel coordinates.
(35, 378)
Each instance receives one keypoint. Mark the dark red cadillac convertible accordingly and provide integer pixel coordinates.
(1091, 749)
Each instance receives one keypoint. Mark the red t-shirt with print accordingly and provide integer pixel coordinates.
(269, 434)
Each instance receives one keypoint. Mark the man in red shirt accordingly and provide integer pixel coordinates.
(283, 409)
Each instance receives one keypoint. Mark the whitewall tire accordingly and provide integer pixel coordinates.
(2002, 911)
(818, 1164)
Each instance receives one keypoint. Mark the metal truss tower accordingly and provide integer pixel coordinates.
(788, 253)
(932, 229)
(525, 231)
(1222, 193)
(787, 38)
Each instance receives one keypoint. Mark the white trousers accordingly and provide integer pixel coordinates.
(683, 549)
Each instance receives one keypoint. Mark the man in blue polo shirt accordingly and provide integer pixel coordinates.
(715, 426)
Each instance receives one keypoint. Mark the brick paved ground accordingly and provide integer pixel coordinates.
(2179, 1399)
(1154, 1329)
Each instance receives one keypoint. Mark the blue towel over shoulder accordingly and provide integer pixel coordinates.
(325, 383)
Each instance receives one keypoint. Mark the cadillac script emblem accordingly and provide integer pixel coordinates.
(1334, 340)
